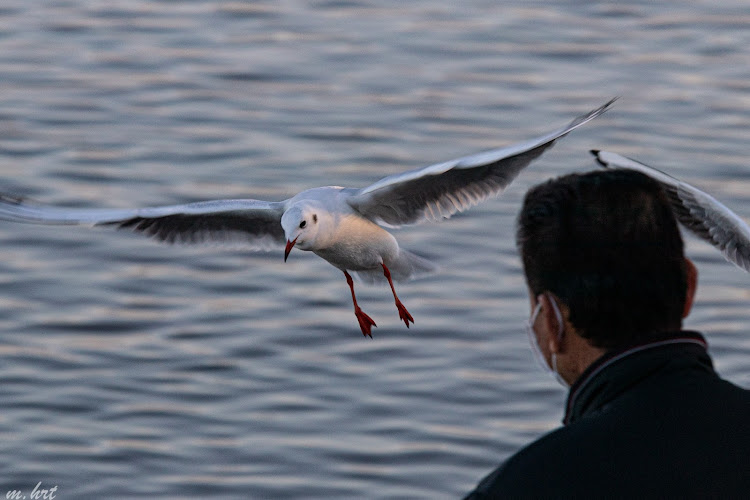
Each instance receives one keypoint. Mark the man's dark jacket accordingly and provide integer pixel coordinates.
(652, 421)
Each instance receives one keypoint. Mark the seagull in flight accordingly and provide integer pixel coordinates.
(342, 225)
(699, 212)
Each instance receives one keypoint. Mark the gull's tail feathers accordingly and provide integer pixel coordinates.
(408, 266)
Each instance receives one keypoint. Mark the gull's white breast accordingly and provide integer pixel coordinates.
(357, 244)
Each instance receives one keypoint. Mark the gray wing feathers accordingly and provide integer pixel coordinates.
(713, 222)
(257, 223)
(440, 190)
(696, 210)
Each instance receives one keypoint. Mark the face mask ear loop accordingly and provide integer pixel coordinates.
(560, 331)
(532, 338)
(558, 315)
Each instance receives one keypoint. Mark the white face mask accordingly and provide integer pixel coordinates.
(552, 370)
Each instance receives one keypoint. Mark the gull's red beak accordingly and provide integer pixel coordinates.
(289, 246)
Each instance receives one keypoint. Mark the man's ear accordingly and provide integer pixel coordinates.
(692, 285)
(552, 321)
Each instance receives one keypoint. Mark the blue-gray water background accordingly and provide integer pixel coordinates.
(133, 369)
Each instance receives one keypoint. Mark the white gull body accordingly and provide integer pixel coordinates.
(699, 212)
(341, 225)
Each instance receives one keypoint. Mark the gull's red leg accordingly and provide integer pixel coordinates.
(402, 312)
(365, 322)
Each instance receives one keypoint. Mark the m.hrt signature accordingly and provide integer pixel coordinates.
(38, 493)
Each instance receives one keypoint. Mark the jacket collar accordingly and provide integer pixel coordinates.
(616, 371)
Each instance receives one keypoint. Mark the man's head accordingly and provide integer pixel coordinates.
(607, 246)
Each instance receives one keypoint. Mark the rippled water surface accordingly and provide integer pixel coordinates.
(134, 369)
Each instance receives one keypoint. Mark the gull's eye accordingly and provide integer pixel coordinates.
(302, 224)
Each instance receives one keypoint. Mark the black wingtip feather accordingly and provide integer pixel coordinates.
(596, 152)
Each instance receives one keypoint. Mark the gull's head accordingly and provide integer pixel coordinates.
(300, 225)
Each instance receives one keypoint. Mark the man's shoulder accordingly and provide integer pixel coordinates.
(627, 443)
(519, 476)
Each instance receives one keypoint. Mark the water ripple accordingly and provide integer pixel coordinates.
(131, 369)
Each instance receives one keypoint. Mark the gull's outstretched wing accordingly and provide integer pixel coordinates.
(699, 212)
(440, 190)
(257, 223)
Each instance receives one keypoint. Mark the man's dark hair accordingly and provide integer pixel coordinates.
(606, 243)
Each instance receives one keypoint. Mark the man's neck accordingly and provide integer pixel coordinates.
(579, 355)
